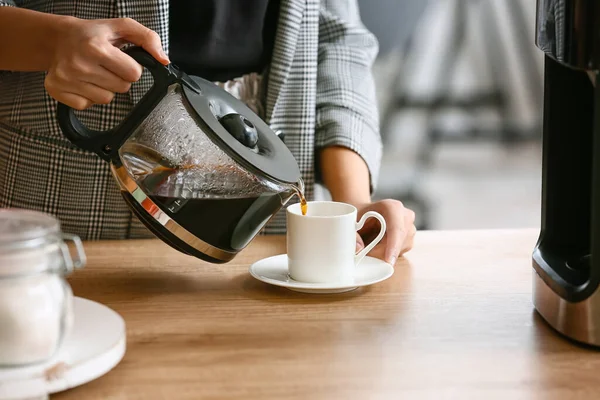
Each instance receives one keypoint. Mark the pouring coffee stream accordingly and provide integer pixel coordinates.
(298, 188)
(195, 165)
(303, 205)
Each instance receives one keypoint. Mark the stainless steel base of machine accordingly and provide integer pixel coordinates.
(578, 321)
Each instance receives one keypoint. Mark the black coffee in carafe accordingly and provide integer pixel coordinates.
(224, 221)
(225, 211)
(227, 223)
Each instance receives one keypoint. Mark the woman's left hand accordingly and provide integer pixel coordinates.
(400, 231)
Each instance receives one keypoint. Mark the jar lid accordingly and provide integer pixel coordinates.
(24, 228)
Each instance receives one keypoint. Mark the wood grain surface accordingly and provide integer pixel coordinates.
(454, 322)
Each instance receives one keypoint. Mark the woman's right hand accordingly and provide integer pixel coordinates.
(88, 67)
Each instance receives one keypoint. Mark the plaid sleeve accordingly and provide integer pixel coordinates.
(347, 112)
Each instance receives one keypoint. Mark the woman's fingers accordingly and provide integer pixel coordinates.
(122, 65)
(408, 244)
(74, 101)
(360, 244)
(76, 94)
(411, 230)
(382, 248)
(136, 33)
(394, 214)
(400, 232)
(88, 67)
(104, 78)
(95, 93)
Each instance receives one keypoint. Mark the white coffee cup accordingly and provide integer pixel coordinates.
(321, 246)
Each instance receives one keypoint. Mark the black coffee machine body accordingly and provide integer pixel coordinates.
(566, 259)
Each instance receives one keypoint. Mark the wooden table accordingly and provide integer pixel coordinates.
(455, 321)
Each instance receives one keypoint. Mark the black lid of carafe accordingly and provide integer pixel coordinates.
(239, 132)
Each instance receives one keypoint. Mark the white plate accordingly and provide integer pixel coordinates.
(95, 346)
(274, 270)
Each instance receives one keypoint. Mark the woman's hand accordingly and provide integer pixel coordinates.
(87, 66)
(347, 177)
(400, 231)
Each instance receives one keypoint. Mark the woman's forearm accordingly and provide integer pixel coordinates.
(346, 175)
(28, 38)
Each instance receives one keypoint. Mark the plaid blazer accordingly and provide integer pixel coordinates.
(319, 92)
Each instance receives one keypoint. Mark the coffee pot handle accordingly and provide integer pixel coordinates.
(106, 143)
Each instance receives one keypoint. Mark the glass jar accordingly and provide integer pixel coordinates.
(36, 302)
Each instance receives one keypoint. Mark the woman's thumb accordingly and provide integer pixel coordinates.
(136, 33)
(359, 243)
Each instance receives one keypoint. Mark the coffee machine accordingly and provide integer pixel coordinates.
(566, 259)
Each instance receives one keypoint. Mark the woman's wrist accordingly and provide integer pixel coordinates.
(38, 33)
(346, 176)
(59, 27)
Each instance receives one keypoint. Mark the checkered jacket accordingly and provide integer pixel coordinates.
(319, 92)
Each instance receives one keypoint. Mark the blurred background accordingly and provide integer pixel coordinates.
(460, 92)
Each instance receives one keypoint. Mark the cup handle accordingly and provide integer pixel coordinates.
(369, 214)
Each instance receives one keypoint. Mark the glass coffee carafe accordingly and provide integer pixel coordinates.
(195, 164)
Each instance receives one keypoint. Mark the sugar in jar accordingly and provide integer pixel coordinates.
(36, 302)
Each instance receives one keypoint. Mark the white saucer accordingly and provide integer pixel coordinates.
(94, 347)
(274, 270)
